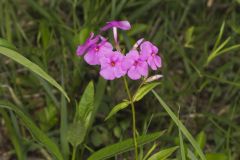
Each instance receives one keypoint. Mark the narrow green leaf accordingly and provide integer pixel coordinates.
(219, 35)
(201, 139)
(182, 147)
(123, 146)
(181, 126)
(164, 154)
(117, 108)
(144, 90)
(63, 123)
(136, 29)
(216, 51)
(31, 66)
(228, 49)
(34, 130)
(6, 44)
(13, 135)
(143, 9)
(150, 151)
(189, 37)
(191, 155)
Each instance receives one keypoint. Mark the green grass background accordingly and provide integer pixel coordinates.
(205, 93)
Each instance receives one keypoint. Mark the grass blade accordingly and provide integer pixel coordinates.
(31, 66)
(13, 136)
(181, 126)
(34, 130)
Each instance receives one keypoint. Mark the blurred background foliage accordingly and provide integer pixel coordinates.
(200, 67)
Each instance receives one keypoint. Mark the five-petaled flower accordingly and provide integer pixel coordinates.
(113, 63)
(149, 52)
(135, 65)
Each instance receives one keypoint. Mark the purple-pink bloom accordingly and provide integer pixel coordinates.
(96, 51)
(149, 53)
(89, 42)
(111, 65)
(135, 64)
(124, 25)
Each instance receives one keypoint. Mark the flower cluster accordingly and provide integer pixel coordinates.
(114, 64)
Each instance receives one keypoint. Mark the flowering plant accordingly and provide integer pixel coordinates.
(97, 50)
(113, 63)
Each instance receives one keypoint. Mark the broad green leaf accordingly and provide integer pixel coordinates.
(86, 104)
(201, 139)
(117, 108)
(144, 90)
(181, 126)
(123, 146)
(34, 130)
(47, 117)
(31, 66)
(216, 156)
(163, 154)
(76, 133)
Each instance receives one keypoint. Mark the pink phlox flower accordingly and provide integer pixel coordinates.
(88, 43)
(111, 65)
(149, 53)
(124, 25)
(135, 65)
(96, 51)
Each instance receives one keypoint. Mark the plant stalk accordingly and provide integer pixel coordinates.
(133, 118)
(74, 152)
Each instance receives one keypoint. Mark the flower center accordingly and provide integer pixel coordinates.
(135, 63)
(113, 63)
(97, 48)
(153, 54)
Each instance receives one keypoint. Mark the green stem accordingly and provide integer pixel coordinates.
(133, 118)
(74, 152)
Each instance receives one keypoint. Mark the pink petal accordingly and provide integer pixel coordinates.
(152, 63)
(158, 61)
(155, 49)
(88, 43)
(91, 57)
(81, 49)
(145, 50)
(124, 25)
(142, 68)
(133, 74)
(107, 73)
(127, 63)
(118, 72)
(133, 54)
